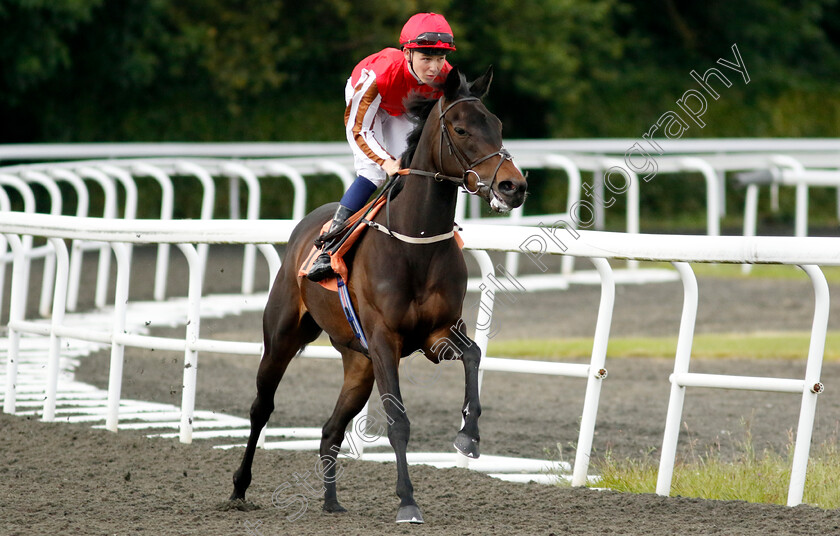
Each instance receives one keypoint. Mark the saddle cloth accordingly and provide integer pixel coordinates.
(337, 257)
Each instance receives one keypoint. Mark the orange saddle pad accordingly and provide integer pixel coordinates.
(337, 257)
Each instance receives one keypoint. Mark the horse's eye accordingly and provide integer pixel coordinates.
(460, 131)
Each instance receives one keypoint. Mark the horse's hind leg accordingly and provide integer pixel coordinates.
(285, 334)
(358, 383)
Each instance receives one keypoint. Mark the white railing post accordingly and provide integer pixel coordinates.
(272, 258)
(167, 206)
(233, 197)
(29, 208)
(797, 170)
(110, 212)
(633, 196)
(131, 197)
(801, 218)
(77, 246)
(190, 354)
(253, 213)
(298, 184)
(597, 372)
(667, 456)
(49, 260)
(750, 218)
(813, 387)
(17, 309)
(713, 212)
(341, 172)
(598, 195)
(59, 301)
(567, 263)
(5, 206)
(208, 198)
(118, 328)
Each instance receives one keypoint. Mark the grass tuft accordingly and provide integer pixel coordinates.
(758, 271)
(762, 345)
(751, 476)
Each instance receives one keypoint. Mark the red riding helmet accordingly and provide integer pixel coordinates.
(427, 30)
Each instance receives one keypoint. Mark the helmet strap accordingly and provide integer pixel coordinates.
(411, 64)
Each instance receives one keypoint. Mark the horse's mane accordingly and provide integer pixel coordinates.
(417, 109)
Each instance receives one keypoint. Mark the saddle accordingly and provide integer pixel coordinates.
(337, 257)
(353, 230)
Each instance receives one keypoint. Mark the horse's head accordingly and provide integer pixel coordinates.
(471, 144)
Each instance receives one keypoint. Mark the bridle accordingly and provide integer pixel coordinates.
(480, 187)
(468, 167)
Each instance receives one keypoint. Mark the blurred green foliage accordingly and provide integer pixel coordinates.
(263, 70)
(129, 70)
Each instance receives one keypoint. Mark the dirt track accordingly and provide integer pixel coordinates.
(63, 479)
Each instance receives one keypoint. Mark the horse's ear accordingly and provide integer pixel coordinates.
(452, 86)
(481, 85)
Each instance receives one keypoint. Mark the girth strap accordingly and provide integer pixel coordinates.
(412, 239)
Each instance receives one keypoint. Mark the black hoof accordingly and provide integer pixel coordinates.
(410, 514)
(333, 507)
(466, 445)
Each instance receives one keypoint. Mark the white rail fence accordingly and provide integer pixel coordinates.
(120, 235)
(618, 167)
(807, 253)
(799, 163)
(106, 175)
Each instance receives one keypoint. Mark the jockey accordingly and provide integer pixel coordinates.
(375, 120)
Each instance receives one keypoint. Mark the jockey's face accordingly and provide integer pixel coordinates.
(425, 66)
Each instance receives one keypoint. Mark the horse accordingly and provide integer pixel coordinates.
(408, 285)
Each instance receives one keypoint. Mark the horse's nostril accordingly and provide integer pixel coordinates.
(507, 187)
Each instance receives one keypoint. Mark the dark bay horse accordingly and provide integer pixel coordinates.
(409, 294)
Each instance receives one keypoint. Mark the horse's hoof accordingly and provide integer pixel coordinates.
(410, 514)
(333, 507)
(466, 445)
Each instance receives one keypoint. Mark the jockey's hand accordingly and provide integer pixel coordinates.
(391, 166)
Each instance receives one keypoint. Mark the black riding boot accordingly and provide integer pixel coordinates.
(322, 268)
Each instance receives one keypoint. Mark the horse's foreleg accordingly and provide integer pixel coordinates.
(451, 344)
(358, 383)
(385, 355)
(466, 442)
